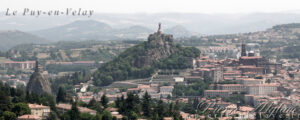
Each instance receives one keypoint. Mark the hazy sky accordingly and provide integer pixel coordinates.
(158, 6)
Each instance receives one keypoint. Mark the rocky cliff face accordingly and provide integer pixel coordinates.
(38, 84)
(142, 60)
(159, 46)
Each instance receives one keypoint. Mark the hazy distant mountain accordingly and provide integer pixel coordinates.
(178, 31)
(78, 30)
(92, 30)
(12, 38)
(133, 32)
(194, 22)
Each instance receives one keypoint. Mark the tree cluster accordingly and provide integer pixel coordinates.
(133, 108)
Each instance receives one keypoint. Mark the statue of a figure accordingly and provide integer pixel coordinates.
(159, 27)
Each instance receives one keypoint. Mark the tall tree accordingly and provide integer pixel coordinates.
(92, 103)
(176, 111)
(146, 104)
(170, 109)
(74, 112)
(4, 101)
(133, 116)
(195, 103)
(160, 109)
(104, 101)
(52, 116)
(61, 95)
(106, 116)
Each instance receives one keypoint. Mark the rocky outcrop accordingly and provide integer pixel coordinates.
(142, 60)
(158, 46)
(38, 84)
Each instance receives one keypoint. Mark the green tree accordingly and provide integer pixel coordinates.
(133, 116)
(104, 101)
(170, 109)
(155, 117)
(176, 112)
(114, 118)
(74, 112)
(160, 109)
(124, 118)
(52, 116)
(106, 116)
(21, 109)
(195, 103)
(92, 103)
(61, 95)
(146, 104)
(28, 97)
(97, 117)
(9, 115)
(4, 101)
(86, 116)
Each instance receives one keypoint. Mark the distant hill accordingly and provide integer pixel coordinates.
(11, 38)
(78, 30)
(287, 26)
(95, 30)
(196, 22)
(178, 31)
(92, 30)
(133, 32)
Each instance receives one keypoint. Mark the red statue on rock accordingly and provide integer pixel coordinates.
(159, 27)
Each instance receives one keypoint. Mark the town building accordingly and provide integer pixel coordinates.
(18, 65)
(65, 107)
(232, 87)
(262, 89)
(217, 93)
(39, 110)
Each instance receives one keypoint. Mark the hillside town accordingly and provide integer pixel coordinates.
(150, 60)
(240, 86)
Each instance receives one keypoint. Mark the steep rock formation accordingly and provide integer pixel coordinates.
(38, 84)
(158, 46)
(142, 60)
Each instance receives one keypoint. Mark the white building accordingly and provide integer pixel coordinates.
(262, 89)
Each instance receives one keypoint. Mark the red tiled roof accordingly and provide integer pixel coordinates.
(253, 67)
(36, 106)
(270, 84)
(254, 57)
(90, 62)
(20, 62)
(231, 85)
(26, 117)
(216, 91)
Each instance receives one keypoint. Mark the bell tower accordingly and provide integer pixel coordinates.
(243, 49)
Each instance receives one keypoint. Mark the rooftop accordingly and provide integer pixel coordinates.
(251, 57)
(29, 117)
(36, 106)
